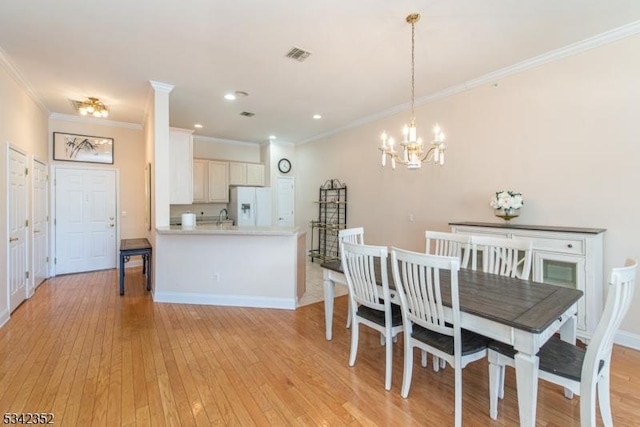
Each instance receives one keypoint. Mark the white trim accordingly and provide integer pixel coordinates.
(222, 140)
(627, 339)
(224, 300)
(554, 55)
(161, 87)
(4, 317)
(94, 120)
(11, 69)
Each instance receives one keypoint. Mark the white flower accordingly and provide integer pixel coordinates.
(507, 199)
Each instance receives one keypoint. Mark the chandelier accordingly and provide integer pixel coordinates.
(413, 152)
(92, 106)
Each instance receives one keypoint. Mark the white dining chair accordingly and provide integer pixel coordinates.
(350, 235)
(506, 257)
(417, 277)
(446, 244)
(370, 303)
(583, 372)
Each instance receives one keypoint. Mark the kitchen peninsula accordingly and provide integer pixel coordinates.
(229, 265)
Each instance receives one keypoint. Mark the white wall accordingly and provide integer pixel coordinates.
(23, 124)
(565, 134)
(129, 160)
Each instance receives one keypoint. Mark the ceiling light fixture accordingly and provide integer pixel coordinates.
(92, 106)
(197, 126)
(272, 137)
(230, 97)
(317, 116)
(413, 151)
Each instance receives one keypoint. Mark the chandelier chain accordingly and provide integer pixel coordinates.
(413, 67)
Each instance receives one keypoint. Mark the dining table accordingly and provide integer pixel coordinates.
(522, 313)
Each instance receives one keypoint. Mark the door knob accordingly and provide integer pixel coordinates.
(280, 219)
(36, 231)
(111, 225)
(13, 239)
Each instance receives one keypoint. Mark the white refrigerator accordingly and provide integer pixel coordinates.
(250, 206)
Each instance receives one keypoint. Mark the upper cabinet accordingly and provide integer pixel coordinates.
(210, 181)
(180, 166)
(218, 182)
(251, 174)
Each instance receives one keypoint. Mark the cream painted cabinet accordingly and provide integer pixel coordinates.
(562, 256)
(218, 182)
(251, 174)
(210, 181)
(200, 181)
(180, 166)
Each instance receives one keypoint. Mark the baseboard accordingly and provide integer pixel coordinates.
(4, 317)
(628, 339)
(225, 300)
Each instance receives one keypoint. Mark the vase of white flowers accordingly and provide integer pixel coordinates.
(506, 204)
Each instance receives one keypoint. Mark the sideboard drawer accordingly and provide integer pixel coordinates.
(568, 246)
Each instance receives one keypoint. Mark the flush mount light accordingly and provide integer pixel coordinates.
(235, 95)
(91, 107)
(197, 126)
(317, 116)
(272, 137)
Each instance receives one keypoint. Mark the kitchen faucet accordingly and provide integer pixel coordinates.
(226, 215)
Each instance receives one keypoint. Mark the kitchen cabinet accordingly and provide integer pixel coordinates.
(210, 181)
(563, 256)
(251, 174)
(180, 166)
(218, 182)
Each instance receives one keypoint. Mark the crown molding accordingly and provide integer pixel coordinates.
(161, 87)
(11, 69)
(222, 140)
(94, 121)
(602, 39)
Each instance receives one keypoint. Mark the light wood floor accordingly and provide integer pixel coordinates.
(92, 358)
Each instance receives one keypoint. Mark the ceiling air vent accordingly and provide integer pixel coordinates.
(247, 114)
(298, 54)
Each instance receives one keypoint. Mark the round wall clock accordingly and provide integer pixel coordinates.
(284, 165)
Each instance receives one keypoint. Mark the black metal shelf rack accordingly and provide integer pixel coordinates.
(332, 217)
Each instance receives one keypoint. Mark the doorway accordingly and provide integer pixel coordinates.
(85, 220)
(40, 226)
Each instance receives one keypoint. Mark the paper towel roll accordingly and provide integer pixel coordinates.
(188, 220)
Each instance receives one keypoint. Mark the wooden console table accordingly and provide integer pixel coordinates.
(129, 248)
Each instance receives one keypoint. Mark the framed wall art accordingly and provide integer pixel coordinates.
(82, 148)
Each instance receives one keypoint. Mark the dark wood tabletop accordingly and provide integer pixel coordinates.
(134, 244)
(522, 304)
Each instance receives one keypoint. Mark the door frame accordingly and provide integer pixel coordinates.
(52, 197)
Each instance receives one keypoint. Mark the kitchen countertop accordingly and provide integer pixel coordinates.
(228, 230)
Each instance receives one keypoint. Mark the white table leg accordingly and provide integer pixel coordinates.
(568, 334)
(527, 384)
(329, 294)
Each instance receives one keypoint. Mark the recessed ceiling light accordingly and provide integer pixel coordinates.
(272, 137)
(230, 97)
(198, 126)
(317, 116)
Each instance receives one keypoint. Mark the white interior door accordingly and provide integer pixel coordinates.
(40, 224)
(285, 201)
(85, 220)
(17, 229)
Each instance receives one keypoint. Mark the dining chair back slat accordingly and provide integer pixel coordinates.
(350, 235)
(448, 244)
(502, 256)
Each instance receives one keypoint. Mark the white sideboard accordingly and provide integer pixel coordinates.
(564, 256)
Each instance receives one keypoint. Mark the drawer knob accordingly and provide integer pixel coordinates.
(570, 245)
